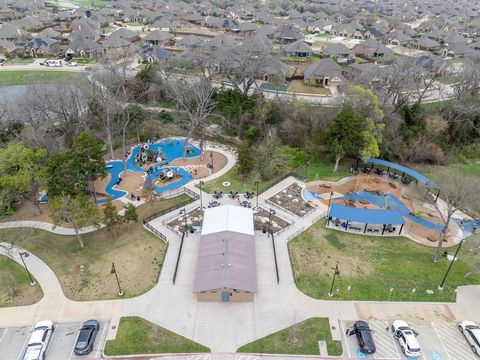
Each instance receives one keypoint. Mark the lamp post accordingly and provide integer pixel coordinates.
(335, 274)
(440, 287)
(184, 212)
(22, 254)
(256, 185)
(201, 184)
(358, 161)
(114, 271)
(272, 212)
(329, 203)
(307, 163)
(211, 159)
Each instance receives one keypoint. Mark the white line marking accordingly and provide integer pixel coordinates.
(73, 348)
(3, 335)
(346, 341)
(24, 344)
(102, 339)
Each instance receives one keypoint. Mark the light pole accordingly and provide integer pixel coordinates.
(114, 271)
(256, 185)
(440, 287)
(272, 212)
(307, 163)
(329, 203)
(335, 274)
(201, 184)
(184, 212)
(211, 159)
(22, 254)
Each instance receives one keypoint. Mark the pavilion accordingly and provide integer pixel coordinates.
(363, 221)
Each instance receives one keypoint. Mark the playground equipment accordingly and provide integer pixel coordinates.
(146, 155)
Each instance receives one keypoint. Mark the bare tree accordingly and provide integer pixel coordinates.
(458, 192)
(195, 97)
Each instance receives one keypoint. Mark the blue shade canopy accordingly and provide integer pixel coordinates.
(412, 173)
(366, 216)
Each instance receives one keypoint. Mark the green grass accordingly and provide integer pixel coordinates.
(313, 58)
(236, 183)
(92, 3)
(83, 61)
(373, 265)
(300, 341)
(85, 273)
(15, 287)
(138, 336)
(472, 169)
(320, 170)
(21, 77)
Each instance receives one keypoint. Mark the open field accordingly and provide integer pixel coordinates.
(22, 77)
(85, 273)
(138, 336)
(15, 287)
(301, 339)
(371, 266)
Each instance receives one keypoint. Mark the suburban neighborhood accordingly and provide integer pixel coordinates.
(248, 180)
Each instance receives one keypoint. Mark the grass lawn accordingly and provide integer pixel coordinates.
(20, 61)
(236, 183)
(302, 341)
(15, 288)
(313, 58)
(373, 265)
(85, 273)
(92, 3)
(138, 336)
(472, 169)
(298, 86)
(320, 170)
(83, 61)
(20, 77)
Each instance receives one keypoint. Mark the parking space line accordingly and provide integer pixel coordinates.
(3, 335)
(455, 348)
(342, 329)
(71, 352)
(441, 342)
(383, 337)
(102, 339)
(24, 344)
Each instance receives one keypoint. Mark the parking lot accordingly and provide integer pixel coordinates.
(438, 340)
(13, 341)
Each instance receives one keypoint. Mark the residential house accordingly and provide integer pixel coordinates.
(189, 42)
(373, 49)
(42, 46)
(195, 19)
(9, 32)
(298, 49)
(274, 70)
(287, 34)
(398, 38)
(326, 73)
(51, 33)
(155, 54)
(162, 25)
(426, 44)
(126, 34)
(244, 29)
(82, 47)
(85, 29)
(161, 38)
(7, 14)
(340, 53)
(458, 50)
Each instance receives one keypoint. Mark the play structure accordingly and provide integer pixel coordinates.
(152, 159)
(377, 201)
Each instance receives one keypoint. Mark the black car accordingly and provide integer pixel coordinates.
(86, 337)
(364, 337)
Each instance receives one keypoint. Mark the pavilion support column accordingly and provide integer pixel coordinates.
(365, 228)
(328, 220)
(401, 228)
(403, 175)
(388, 170)
(373, 165)
(383, 230)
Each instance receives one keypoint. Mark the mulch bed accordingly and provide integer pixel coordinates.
(291, 200)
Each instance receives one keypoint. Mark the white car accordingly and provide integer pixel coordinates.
(407, 338)
(471, 331)
(38, 341)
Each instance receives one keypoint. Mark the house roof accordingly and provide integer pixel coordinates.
(298, 46)
(123, 33)
(226, 255)
(50, 33)
(375, 45)
(324, 67)
(43, 43)
(9, 31)
(158, 35)
(189, 40)
(336, 49)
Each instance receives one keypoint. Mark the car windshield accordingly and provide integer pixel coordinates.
(402, 328)
(41, 328)
(413, 349)
(408, 332)
(471, 327)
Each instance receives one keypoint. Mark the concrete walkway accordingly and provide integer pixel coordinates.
(225, 326)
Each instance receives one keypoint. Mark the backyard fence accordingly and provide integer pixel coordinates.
(155, 231)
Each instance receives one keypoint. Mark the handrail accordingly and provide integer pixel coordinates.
(275, 257)
(178, 258)
(155, 231)
(191, 199)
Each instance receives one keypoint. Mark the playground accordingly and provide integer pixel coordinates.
(158, 167)
(390, 199)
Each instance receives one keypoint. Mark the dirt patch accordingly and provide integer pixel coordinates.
(200, 163)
